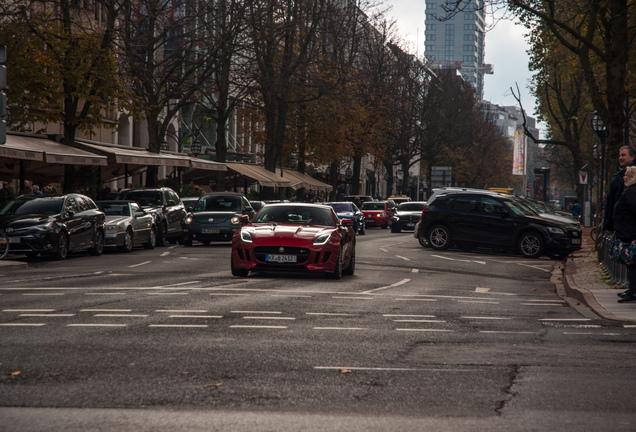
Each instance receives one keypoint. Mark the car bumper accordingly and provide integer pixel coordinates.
(316, 260)
(44, 243)
(209, 233)
(375, 221)
(114, 239)
(405, 224)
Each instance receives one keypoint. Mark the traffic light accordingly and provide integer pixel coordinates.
(3, 95)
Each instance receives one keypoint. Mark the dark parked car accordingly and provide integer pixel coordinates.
(473, 219)
(215, 217)
(127, 225)
(406, 215)
(53, 225)
(348, 210)
(165, 206)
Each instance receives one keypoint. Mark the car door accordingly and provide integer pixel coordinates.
(75, 223)
(140, 224)
(175, 211)
(463, 217)
(497, 225)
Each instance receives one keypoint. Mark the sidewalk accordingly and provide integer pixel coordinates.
(583, 281)
(7, 264)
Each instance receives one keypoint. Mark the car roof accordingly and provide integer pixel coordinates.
(224, 194)
(115, 202)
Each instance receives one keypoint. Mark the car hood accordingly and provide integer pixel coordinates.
(409, 213)
(559, 219)
(114, 220)
(372, 212)
(22, 221)
(217, 217)
(345, 214)
(266, 232)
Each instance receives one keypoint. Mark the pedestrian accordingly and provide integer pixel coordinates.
(575, 209)
(625, 229)
(36, 190)
(626, 157)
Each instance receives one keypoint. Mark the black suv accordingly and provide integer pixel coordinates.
(166, 208)
(472, 219)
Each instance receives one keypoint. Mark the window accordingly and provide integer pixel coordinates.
(470, 16)
(466, 203)
(430, 6)
(431, 27)
(469, 37)
(430, 47)
(431, 37)
(470, 59)
(71, 205)
(469, 47)
(431, 16)
(470, 27)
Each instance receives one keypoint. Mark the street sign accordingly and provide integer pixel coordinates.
(441, 176)
(583, 177)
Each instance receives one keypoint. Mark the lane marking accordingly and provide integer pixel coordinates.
(223, 294)
(365, 368)
(415, 299)
(424, 330)
(291, 296)
(195, 316)
(181, 283)
(565, 319)
(506, 332)
(165, 254)
(120, 315)
(412, 316)
(140, 264)
(477, 301)
(28, 310)
(482, 290)
(258, 326)
(419, 320)
(47, 315)
(22, 324)
(169, 293)
(105, 310)
(179, 325)
(402, 282)
(330, 314)
(44, 294)
(536, 267)
(479, 262)
(108, 293)
(484, 318)
(354, 298)
(541, 304)
(629, 325)
(96, 325)
(340, 328)
(269, 318)
(415, 270)
(592, 334)
(181, 310)
(404, 258)
(384, 250)
(256, 312)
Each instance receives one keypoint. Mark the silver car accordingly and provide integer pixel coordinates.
(127, 225)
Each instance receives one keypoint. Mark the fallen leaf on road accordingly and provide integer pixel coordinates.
(344, 371)
(213, 385)
(185, 373)
(16, 373)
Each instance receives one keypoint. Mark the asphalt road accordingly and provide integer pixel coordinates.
(167, 339)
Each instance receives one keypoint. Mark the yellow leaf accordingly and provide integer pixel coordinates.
(16, 373)
(345, 371)
(213, 385)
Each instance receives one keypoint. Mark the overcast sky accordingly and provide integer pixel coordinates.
(505, 50)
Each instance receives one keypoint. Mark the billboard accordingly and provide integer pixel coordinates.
(519, 154)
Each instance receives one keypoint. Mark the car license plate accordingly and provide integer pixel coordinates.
(210, 231)
(14, 239)
(576, 241)
(410, 225)
(281, 258)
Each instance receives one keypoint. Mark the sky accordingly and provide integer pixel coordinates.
(505, 50)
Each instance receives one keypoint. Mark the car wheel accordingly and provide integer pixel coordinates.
(439, 237)
(363, 229)
(351, 268)
(337, 271)
(423, 242)
(152, 240)
(531, 244)
(62, 248)
(98, 247)
(558, 255)
(395, 228)
(236, 271)
(162, 235)
(128, 241)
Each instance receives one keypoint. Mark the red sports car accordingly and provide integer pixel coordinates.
(294, 237)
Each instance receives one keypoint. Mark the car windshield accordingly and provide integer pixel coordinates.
(532, 210)
(113, 209)
(341, 207)
(145, 198)
(219, 203)
(370, 205)
(518, 209)
(295, 215)
(408, 206)
(45, 206)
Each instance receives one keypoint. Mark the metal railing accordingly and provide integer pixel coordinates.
(615, 271)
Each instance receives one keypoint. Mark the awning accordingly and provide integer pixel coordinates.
(134, 155)
(260, 174)
(41, 159)
(301, 180)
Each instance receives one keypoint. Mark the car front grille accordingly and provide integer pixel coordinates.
(302, 254)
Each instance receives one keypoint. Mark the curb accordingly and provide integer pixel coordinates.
(12, 264)
(583, 295)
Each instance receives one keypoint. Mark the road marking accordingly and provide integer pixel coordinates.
(179, 325)
(412, 316)
(269, 318)
(393, 369)
(415, 271)
(629, 325)
(231, 294)
(384, 250)
(169, 293)
(44, 294)
(330, 314)
(140, 264)
(96, 325)
(585, 326)
(195, 316)
(415, 299)
(540, 304)
(477, 301)
(23, 324)
(404, 258)
(181, 310)
(105, 310)
(340, 328)
(256, 312)
(47, 315)
(108, 293)
(424, 330)
(291, 296)
(482, 290)
(165, 254)
(402, 282)
(536, 267)
(506, 332)
(593, 334)
(484, 318)
(353, 298)
(180, 284)
(28, 310)
(120, 315)
(479, 262)
(564, 319)
(443, 257)
(419, 320)
(258, 326)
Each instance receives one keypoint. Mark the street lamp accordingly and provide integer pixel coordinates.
(600, 129)
(195, 148)
(164, 145)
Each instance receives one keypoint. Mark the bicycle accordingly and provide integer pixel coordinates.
(4, 244)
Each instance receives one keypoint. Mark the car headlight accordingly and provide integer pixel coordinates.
(187, 220)
(235, 220)
(555, 230)
(246, 236)
(321, 240)
(380, 215)
(113, 228)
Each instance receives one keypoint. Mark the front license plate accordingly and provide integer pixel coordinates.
(410, 225)
(210, 231)
(281, 258)
(576, 241)
(14, 239)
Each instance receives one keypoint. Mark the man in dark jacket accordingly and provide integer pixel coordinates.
(625, 228)
(626, 157)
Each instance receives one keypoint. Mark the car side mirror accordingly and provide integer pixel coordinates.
(248, 209)
(140, 214)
